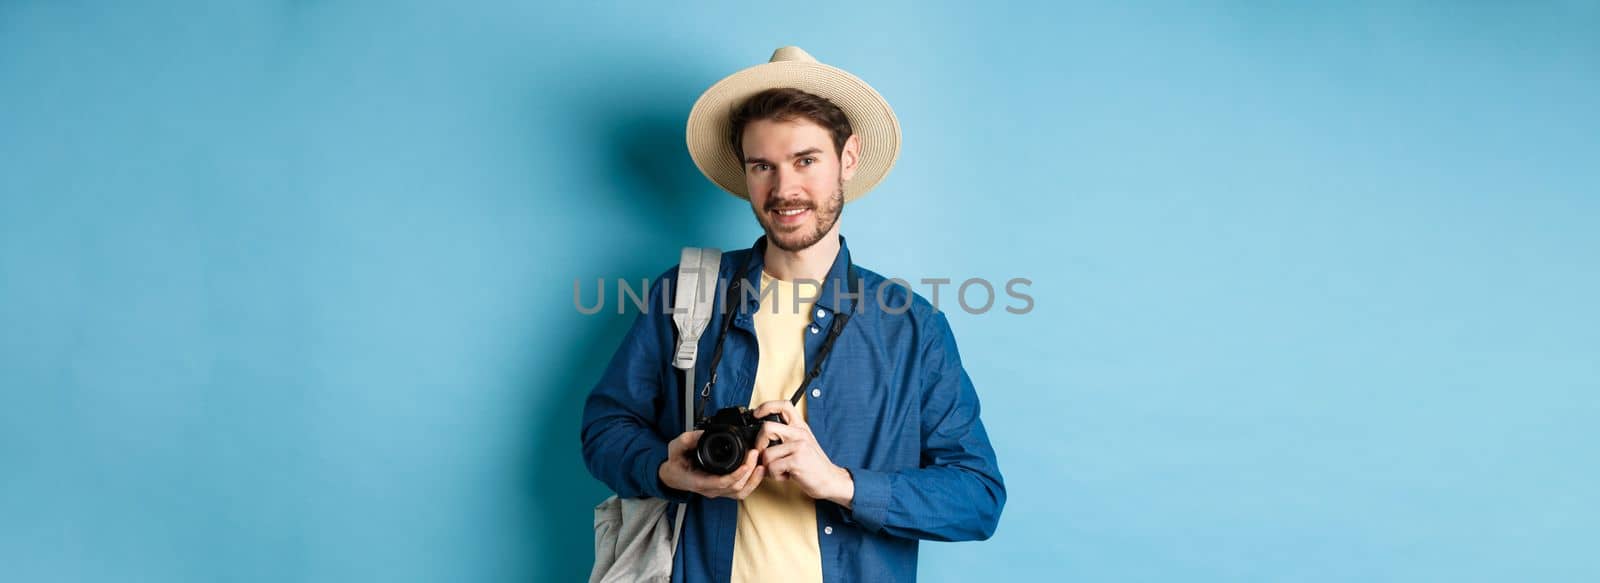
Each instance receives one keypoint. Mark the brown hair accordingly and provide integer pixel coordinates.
(786, 104)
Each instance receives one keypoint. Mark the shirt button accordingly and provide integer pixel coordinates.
(816, 393)
(827, 530)
(814, 329)
(821, 314)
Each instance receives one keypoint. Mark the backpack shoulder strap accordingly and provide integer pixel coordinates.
(698, 271)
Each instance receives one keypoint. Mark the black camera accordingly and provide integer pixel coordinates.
(728, 435)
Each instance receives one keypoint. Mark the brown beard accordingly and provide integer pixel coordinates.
(826, 217)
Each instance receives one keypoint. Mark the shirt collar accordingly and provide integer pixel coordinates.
(834, 296)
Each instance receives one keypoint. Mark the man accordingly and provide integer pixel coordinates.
(885, 445)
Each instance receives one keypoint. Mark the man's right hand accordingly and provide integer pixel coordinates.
(679, 473)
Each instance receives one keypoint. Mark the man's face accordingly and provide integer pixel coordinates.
(796, 180)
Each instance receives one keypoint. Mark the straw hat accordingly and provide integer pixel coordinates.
(870, 117)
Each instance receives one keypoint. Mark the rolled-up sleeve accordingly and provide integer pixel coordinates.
(622, 446)
(957, 494)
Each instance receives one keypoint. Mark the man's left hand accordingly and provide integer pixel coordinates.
(800, 457)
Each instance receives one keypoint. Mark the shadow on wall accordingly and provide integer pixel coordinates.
(647, 182)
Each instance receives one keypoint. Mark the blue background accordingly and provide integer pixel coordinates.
(286, 288)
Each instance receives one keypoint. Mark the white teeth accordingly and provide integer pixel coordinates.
(791, 212)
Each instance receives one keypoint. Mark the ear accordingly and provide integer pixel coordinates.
(849, 157)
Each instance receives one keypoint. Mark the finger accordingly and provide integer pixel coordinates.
(786, 433)
(739, 485)
(764, 438)
(778, 452)
(780, 470)
(769, 407)
(686, 440)
(738, 475)
(751, 484)
(781, 407)
(702, 482)
(701, 479)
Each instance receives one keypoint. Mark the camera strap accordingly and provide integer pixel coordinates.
(732, 303)
(839, 320)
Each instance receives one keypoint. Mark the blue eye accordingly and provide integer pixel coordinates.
(808, 161)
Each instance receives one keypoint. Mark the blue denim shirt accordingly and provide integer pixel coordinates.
(892, 405)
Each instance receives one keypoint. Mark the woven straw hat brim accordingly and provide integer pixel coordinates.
(870, 118)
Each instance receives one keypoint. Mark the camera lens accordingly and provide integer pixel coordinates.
(720, 452)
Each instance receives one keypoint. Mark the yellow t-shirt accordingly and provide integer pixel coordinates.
(777, 535)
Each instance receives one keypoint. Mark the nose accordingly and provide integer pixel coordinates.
(786, 185)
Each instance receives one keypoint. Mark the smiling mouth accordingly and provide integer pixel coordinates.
(790, 216)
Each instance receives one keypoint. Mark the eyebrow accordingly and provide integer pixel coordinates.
(806, 152)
